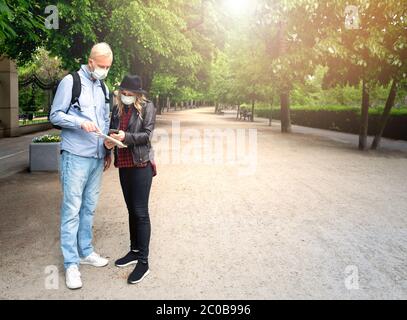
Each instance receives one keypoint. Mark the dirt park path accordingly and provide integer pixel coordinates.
(317, 219)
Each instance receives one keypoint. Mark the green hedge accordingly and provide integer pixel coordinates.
(263, 110)
(340, 118)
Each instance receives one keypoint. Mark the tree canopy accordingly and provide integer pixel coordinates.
(220, 50)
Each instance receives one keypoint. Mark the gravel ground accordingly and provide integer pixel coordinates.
(315, 215)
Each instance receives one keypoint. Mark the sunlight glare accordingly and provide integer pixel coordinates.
(237, 7)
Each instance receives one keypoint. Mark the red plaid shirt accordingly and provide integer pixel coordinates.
(124, 156)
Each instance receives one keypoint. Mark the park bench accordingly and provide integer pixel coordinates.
(245, 114)
(219, 110)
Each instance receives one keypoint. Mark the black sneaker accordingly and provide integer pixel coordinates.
(139, 272)
(128, 259)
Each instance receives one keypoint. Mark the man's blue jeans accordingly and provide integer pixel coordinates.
(81, 179)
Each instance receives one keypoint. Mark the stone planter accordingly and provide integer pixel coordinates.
(44, 156)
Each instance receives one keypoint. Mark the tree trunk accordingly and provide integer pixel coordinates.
(49, 100)
(157, 103)
(146, 74)
(271, 111)
(285, 93)
(364, 118)
(163, 100)
(252, 117)
(238, 110)
(385, 116)
(285, 113)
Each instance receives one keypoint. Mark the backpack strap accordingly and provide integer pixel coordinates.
(76, 92)
(102, 83)
(76, 89)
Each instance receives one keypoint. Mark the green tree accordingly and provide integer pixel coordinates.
(47, 71)
(163, 87)
(372, 54)
(22, 28)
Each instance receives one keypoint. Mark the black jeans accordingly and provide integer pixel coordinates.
(136, 185)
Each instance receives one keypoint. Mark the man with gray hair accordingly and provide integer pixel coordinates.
(83, 157)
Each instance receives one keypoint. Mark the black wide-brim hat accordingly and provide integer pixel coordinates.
(132, 83)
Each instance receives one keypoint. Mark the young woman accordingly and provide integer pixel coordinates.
(132, 122)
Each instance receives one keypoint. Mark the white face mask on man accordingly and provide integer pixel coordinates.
(99, 73)
(127, 99)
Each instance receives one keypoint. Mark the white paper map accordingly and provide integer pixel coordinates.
(116, 142)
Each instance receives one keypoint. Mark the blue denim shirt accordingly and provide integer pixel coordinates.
(93, 108)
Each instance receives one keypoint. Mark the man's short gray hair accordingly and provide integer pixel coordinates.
(101, 49)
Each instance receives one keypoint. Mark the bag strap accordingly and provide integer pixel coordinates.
(102, 83)
(76, 92)
(76, 89)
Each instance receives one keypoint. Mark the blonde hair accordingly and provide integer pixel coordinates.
(140, 98)
(101, 49)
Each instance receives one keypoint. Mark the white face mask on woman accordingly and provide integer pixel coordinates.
(128, 99)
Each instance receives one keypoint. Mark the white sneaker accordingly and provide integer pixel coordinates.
(94, 260)
(73, 277)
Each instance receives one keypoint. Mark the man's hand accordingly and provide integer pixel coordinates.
(109, 144)
(120, 136)
(89, 126)
(108, 161)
